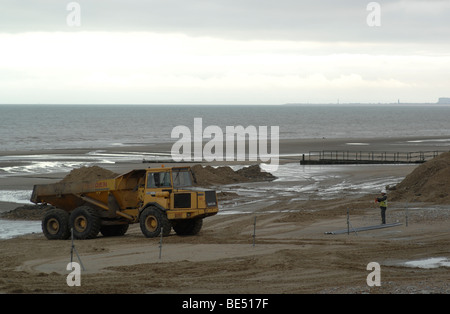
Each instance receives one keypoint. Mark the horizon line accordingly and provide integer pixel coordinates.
(225, 104)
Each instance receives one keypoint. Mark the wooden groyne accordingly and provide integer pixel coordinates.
(366, 157)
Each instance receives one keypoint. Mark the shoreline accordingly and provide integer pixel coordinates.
(286, 146)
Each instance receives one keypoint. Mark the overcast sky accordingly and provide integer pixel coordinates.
(223, 51)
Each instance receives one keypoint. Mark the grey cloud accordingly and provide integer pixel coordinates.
(326, 20)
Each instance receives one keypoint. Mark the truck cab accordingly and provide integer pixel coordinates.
(172, 189)
(169, 200)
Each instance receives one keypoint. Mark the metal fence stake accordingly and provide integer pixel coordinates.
(406, 215)
(72, 249)
(254, 232)
(160, 243)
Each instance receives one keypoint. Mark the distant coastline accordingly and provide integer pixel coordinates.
(365, 104)
(441, 101)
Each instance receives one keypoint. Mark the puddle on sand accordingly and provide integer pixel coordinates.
(429, 263)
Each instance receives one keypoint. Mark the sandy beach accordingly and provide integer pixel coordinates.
(292, 251)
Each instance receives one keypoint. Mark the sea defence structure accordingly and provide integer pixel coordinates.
(366, 157)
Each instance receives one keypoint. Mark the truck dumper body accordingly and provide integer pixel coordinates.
(158, 198)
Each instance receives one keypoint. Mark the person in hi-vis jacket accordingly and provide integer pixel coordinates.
(383, 205)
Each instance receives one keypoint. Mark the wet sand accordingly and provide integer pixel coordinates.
(292, 252)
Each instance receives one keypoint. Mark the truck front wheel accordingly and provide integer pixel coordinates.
(152, 220)
(85, 222)
(55, 224)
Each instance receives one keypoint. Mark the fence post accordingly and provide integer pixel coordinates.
(348, 222)
(254, 232)
(160, 243)
(73, 248)
(406, 214)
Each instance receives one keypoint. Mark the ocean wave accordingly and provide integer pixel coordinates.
(15, 196)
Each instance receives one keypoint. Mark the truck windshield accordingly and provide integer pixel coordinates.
(158, 180)
(181, 178)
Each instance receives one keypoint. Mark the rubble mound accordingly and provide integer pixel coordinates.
(225, 175)
(255, 173)
(26, 212)
(429, 182)
(36, 212)
(93, 173)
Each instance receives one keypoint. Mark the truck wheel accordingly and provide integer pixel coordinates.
(114, 230)
(85, 222)
(151, 220)
(55, 224)
(188, 227)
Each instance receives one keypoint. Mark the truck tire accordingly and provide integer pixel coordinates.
(85, 222)
(55, 224)
(188, 227)
(114, 230)
(151, 220)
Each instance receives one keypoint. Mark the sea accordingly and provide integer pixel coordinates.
(33, 128)
(36, 127)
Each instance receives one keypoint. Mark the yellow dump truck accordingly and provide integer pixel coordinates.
(159, 199)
